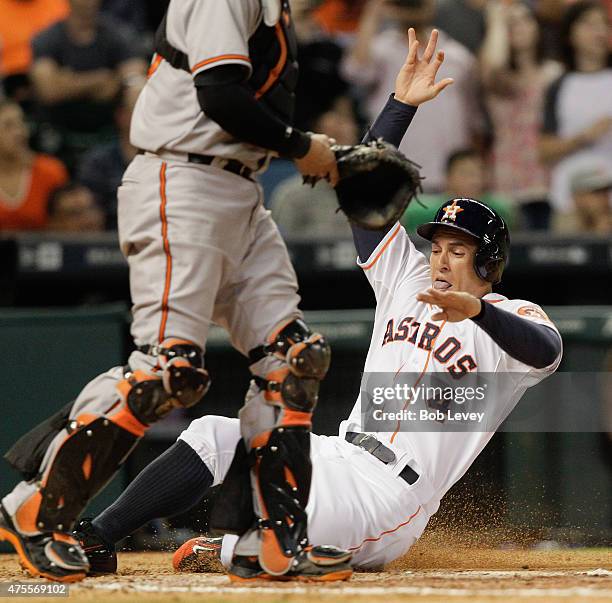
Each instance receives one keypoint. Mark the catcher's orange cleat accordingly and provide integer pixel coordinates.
(52, 555)
(199, 555)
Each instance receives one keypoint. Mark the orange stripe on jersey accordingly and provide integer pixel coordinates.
(166, 243)
(280, 65)
(433, 344)
(377, 538)
(223, 57)
(155, 63)
(368, 266)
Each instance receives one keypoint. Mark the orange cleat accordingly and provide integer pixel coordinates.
(51, 555)
(199, 555)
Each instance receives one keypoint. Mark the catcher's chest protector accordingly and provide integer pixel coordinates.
(273, 52)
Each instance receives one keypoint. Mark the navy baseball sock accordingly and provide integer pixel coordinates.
(172, 484)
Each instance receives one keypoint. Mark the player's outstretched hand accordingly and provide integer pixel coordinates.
(416, 81)
(320, 161)
(454, 306)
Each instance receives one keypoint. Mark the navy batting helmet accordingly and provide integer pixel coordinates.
(481, 222)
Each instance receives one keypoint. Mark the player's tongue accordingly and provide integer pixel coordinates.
(441, 284)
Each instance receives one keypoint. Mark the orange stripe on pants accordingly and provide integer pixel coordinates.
(395, 529)
(164, 232)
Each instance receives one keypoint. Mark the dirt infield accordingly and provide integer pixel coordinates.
(427, 573)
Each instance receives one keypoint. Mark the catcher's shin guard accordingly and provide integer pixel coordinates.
(84, 456)
(88, 449)
(183, 381)
(276, 423)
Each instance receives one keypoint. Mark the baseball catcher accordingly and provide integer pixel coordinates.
(201, 248)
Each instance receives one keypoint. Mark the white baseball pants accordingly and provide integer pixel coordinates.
(356, 502)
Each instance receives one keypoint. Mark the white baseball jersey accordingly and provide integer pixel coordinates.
(356, 501)
(406, 339)
(167, 115)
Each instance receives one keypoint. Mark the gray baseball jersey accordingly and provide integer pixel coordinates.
(167, 115)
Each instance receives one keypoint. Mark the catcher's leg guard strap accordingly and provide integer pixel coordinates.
(307, 354)
(183, 381)
(306, 357)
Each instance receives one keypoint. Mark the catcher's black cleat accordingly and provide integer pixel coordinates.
(101, 554)
(314, 564)
(199, 555)
(51, 555)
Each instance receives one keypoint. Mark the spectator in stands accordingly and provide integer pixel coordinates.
(465, 177)
(101, 168)
(339, 18)
(463, 20)
(301, 211)
(319, 57)
(319, 84)
(592, 209)
(26, 179)
(515, 77)
(578, 108)
(79, 67)
(132, 13)
(450, 122)
(73, 208)
(20, 21)
(550, 14)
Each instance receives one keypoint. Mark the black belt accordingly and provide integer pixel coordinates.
(377, 449)
(229, 165)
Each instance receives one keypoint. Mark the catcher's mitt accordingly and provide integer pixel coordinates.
(376, 184)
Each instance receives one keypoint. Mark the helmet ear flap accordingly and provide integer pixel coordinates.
(488, 264)
(490, 270)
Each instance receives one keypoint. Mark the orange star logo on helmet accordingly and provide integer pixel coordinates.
(451, 211)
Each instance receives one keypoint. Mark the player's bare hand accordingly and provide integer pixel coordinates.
(454, 306)
(320, 162)
(416, 81)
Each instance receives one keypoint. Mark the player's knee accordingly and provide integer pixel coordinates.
(212, 431)
(306, 353)
(184, 375)
(290, 366)
(182, 382)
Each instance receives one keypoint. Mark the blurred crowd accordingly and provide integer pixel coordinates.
(526, 127)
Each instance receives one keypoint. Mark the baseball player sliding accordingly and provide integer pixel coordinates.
(373, 492)
(201, 247)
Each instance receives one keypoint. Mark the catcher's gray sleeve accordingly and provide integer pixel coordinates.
(391, 125)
